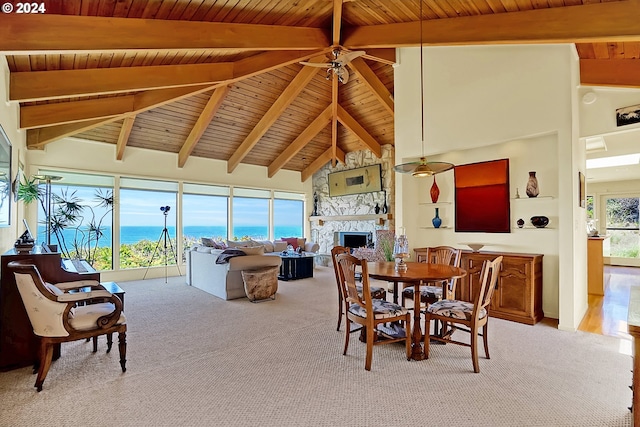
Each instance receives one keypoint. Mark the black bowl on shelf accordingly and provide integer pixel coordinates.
(539, 221)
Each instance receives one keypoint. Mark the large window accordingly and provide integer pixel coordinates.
(622, 227)
(145, 222)
(288, 214)
(204, 213)
(250, 214)
(81, 219)
(92, 214)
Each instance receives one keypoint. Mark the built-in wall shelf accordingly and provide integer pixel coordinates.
(532, 198)
(431, 227)
(434, 204)
(380, 218)
(531, 227)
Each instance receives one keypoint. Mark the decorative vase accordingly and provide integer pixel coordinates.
(385, 208)
(520, 223)
(437, 222)
(377, 209)
(532, 185)
(435, 191)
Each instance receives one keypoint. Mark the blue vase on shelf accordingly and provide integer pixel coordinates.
(437, 222)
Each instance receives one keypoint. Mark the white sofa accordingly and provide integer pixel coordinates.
(223, 280)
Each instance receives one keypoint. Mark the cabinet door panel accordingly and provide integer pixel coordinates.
(514, 294)
(469, 286)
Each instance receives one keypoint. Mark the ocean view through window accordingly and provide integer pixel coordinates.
(218, 212)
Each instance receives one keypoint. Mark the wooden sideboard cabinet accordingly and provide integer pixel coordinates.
(518, 295)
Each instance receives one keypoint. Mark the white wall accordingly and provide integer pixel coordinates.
(9, 120)
(524, 155)
(486, 95)
(599, 117)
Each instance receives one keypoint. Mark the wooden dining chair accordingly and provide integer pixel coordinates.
(432, 293)
(370, 312)
(376, 292)
(470, 315)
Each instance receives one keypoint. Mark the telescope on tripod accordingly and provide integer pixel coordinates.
(166, 244)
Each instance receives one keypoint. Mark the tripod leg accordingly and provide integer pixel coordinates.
(155, 251)
(175, 256)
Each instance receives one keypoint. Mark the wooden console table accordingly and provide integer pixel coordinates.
(633, 326)
(518, 294)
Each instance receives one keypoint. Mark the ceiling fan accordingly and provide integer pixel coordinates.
(337, 66)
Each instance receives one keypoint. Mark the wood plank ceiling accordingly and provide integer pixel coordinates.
(221, 79)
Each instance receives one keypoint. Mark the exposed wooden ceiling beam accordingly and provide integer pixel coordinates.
(598, 22)
(386, 56)
(31, 33)
(33, 116)
(38, 138)
(374, 84)
(610, 72)
(37, 85)
(269, 61)
(337, 21)
(298, 83)
(360, 132)
(334, 119)
(322, 160)
(300, 142)
(123, 138)
(43, 115)
(209, 111)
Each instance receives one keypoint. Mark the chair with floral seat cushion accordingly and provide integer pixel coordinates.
(376, 292)
(371, 313)
(57, 317)
(471, 315)
(433, 292)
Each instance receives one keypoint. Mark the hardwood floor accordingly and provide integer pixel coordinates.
(607, 315)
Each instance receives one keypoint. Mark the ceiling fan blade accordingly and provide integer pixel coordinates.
(344, 75)
(316, 64)
(348, 57)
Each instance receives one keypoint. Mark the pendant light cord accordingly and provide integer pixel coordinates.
(421, 84)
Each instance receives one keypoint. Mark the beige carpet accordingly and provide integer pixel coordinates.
(195, 360)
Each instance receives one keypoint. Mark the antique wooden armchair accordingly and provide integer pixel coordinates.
(57, 317)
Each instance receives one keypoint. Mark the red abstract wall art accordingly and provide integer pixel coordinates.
(482, 197)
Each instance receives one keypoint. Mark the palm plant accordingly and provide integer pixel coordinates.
(72, 213)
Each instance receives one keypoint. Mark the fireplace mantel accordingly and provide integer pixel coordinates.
(380, 218)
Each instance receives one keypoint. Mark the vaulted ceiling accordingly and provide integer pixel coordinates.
(222, 79)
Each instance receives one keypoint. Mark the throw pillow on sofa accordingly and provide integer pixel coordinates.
(268, 245)
(293, 241)
(210, 243)
(252, 250)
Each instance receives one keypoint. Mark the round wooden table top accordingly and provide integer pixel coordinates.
(416, 272)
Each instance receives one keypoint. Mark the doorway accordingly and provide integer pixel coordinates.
(621, 225)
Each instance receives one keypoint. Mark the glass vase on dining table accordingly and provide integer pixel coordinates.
(401, 251)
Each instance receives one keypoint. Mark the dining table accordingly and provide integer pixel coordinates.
(416, 274)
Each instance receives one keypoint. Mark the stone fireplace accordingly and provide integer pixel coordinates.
(353, 214)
